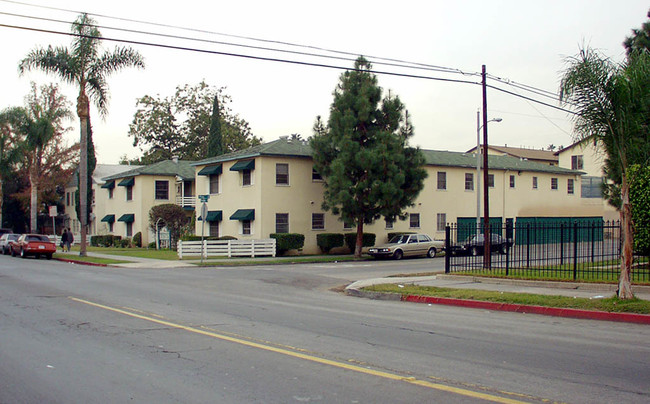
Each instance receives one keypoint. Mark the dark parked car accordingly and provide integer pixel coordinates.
(475, 245)
(33, 244)
(5, 239)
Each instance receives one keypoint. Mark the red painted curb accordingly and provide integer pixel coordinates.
(521, 308)
(81, 262)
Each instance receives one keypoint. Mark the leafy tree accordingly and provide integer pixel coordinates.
(10, 150)
(171, 216)
(640, 38)
(612, 105)
(640, 201)
(86, 66)
(180, 125)
(363, 155)
(215, 147)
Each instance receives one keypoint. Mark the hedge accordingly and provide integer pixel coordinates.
(288, 241)
(198, 238)
(108, 240)
(351, 240)
(327, 241)
(137, 239)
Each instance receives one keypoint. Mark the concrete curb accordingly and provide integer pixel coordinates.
(95, 264)
(521, 308)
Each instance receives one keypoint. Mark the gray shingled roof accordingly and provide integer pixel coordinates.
(293, 148)
(183, 169)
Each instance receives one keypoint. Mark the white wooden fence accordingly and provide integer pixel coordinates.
(227, 248)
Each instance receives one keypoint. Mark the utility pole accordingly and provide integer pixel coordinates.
(487, 254)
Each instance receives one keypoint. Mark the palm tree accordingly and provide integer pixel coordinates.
(85, 66)
(613, 109)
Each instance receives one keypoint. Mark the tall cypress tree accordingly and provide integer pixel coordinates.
(215, 141)
(92, 163)
(363, 155)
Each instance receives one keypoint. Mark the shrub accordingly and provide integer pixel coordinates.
(152, 245)
(125, 243)
(327, 241)
(137, 239)
(288, 241)
(108, 240)
(351, 240)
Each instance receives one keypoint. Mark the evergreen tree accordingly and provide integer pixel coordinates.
(92, 163)
(639, 41)
(215, 147)
(363, 155)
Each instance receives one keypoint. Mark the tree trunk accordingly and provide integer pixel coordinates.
(33, 197)
(359, 243)
(82, 111)
(624, 281)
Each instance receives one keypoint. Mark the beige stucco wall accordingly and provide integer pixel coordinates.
(303, 196)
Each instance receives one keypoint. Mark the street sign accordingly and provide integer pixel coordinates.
(53, 211)
(204, 198)
(204, 211)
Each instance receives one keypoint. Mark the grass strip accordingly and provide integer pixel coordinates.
(609, 304)
(87, 259)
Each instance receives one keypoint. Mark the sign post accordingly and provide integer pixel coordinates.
(53, 214)
(204, 215)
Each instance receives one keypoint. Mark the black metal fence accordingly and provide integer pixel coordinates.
(572, 250)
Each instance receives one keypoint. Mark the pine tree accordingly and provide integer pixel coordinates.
(215, 147)
(363, 155)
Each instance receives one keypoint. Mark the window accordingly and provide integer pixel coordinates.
(214, 184)
(282, 223)
(490, 180)
(214, 228)
(315, 176)
(162, 190)
(67, 198)
(347, 225)
(389, 224)
(110, 193)
(129, 193)
(110, 227)
(246, 177)
(442, 221)
(534, 182)
(591, 187)
(469, 182)
(246, 227)
(282, 174)
(553, 183)
(512, 181)
(442, 180)
(129, 229)
(569, 186)
(414, 220)
(577, 163)
(317, 221)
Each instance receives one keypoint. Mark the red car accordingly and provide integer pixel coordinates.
(32, 244)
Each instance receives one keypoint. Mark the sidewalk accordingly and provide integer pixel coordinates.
(584, 290)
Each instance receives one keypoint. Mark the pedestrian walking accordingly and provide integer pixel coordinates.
(69, 239)
(64, 238)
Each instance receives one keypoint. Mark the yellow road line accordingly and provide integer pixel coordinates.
(316, 359)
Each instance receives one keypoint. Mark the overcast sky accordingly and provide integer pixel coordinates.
(524, 42)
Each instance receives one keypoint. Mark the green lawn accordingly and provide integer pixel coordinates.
(94, 260)
(133, 252)
(610, 304)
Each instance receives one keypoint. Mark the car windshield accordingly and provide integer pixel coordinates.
(399, 239)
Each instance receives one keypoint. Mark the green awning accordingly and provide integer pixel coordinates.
(243, 165)
(109, 184)
(127, 182)
(109, 219)
(211, 170)
(127, 218)
(213, 216)
(243, 214)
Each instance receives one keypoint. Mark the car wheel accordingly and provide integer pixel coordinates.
(431, 253)
(48, 256)
(13, 253)
(474, 251)
(398, 255)
(22, 253)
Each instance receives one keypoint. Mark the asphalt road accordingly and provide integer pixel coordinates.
(279, 334)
